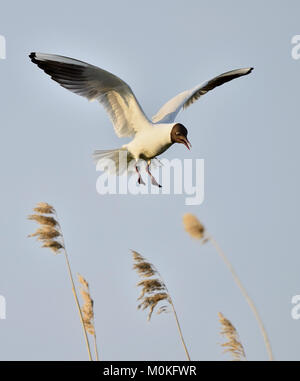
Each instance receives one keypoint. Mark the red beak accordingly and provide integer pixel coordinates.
(186, 142)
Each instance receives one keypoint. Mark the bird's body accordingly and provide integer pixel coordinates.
(150, 138)
(151, 141)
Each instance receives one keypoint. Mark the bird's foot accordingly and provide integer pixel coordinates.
(153, 181)
(141, 181)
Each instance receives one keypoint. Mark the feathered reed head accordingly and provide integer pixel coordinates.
(153, 288)
(88, 306)
(49, 232)
(194, 227)
(233, 345)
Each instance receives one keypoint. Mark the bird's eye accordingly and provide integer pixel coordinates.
(177, 133)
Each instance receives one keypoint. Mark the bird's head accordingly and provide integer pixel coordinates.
(179, 135)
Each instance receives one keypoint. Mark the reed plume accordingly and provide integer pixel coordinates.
(87, 311)
(197, 230)
(233, 344)
(154, 291)
(51, 236)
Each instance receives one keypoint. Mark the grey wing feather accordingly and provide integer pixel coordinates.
(169, 111)
(95, 84)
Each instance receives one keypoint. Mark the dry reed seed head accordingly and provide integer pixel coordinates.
(82, 281)
(87, 310)
(55, 246)
(46, 232)
(86, 297)
(48, 235)
(49, 227)
(152, 301)
(233, 345)
(43, 220)
(193, 226)
(144, 269)
(150, 286)
(163, 309)
(137, 257)
(88, 306)
(89, 327)
(44, 208)
(153, 290)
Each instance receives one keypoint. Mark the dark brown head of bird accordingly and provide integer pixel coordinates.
(179, 135)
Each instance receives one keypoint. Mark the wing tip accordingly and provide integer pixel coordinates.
(33, 57)
(246, 70)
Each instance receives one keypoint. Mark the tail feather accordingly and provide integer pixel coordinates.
(114, 161)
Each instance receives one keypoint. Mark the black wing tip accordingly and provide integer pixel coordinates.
(32, 56)
(250, 70)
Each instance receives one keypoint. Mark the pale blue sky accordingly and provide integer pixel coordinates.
(246, 131)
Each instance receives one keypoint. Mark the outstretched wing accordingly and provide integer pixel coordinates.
(96, 84)
(169, 111)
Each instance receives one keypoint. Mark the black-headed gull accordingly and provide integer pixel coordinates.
(150, 137)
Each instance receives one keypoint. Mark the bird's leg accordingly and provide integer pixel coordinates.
(140, 180)
(153, 181)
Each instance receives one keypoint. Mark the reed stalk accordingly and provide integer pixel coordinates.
(50, 233)
(87, 311)
(154, 291)
(246, 296)
(197, 230)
